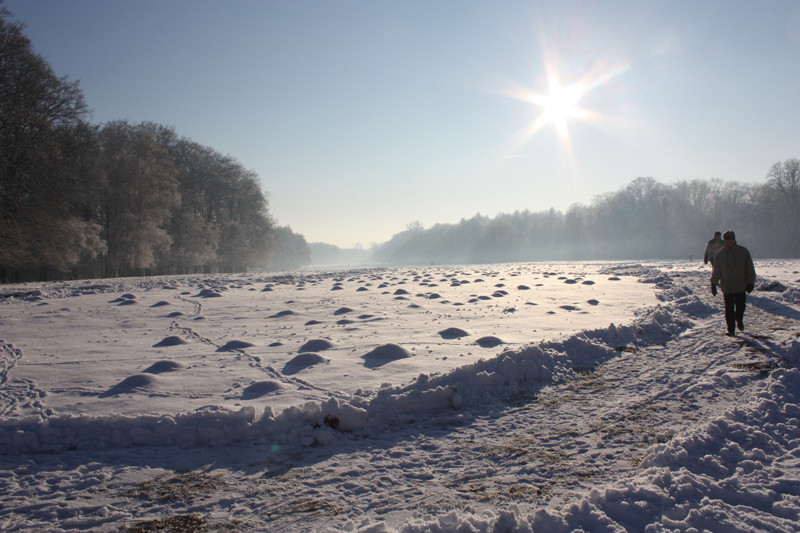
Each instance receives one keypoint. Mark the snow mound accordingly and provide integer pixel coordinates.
(792, 295)
(260, 388)
(384, 354)
(166, 365)
(316, 345)
(772, 286)
(453, 333)
(135, 383)
(208, 293)
(301, 362)
(489, 342)
(234, 345)
(173, 340)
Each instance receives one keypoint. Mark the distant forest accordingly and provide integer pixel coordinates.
(80, 200)
(643, 220)
(117, 199)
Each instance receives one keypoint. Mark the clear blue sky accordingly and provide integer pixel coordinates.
(363, 116)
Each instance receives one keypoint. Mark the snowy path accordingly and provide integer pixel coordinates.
(676, 427)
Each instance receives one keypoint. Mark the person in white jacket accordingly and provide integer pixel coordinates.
(735, 274)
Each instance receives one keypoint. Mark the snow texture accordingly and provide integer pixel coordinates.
(517, 397)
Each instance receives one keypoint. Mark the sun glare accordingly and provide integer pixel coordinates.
(560, 104)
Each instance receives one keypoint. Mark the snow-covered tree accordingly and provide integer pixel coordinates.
(46, 175)
(291, 250)
(141, 193)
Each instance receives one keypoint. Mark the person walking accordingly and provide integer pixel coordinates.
(734, 272)
(713, 246)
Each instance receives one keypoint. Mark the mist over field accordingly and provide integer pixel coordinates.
(644, 220)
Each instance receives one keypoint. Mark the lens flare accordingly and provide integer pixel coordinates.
(560, 103)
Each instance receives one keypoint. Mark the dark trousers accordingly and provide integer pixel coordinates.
(734, 309)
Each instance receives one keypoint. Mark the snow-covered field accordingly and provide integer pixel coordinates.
(515, 397)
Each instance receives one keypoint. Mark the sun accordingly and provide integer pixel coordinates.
(560, 104)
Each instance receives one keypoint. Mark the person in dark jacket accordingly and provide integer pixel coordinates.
(734, 272)
(713, 246)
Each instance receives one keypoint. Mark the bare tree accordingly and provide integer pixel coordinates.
(784, 179)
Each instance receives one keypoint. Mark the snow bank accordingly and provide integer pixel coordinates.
(726, 475)
(736, 472)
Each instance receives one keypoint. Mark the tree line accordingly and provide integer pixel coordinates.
(117, 199)
(645, 219)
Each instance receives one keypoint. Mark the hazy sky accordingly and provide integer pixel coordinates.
(363, 116)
